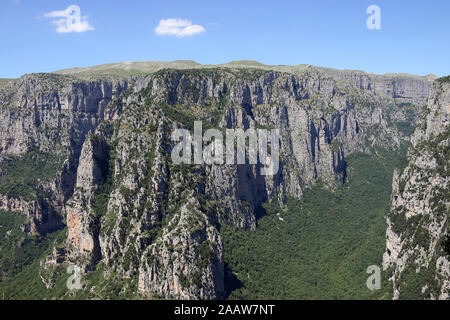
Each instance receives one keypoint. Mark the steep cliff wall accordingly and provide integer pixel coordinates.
(416, 257)
(48, 116)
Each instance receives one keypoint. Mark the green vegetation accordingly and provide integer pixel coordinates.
(405, 127)
(441, 152)
(181, 114)
(335, 145)
(249, 73)
(20, 277)
(100, 285)
(444, 79)
(19, 175)
(20, 256)
(324, 244)
(412, 282)
(186, 115)
(362, 100)
(408, 125)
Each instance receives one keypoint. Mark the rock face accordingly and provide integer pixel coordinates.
(418, 222)
(129, 207)
(41, 109)
(82, 237)
(50, 114)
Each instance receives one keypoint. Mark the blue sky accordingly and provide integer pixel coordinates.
(414, 35)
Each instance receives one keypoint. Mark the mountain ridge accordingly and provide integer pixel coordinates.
(153, 66)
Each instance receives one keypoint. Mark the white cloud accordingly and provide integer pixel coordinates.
(71, 21)
(178, 27)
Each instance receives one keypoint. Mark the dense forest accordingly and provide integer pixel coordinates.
(20, 258)
(320, 247)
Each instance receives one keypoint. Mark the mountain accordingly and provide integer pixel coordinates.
(87, 177)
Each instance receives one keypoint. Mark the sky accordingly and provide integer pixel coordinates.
(46, 35)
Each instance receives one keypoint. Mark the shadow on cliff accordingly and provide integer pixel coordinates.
(231, 282)
(260, 212)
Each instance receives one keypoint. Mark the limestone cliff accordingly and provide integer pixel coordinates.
(416, 257)
(47, 114)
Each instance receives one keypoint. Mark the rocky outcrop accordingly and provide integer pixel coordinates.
(82, 220)
(42, 217)
(418, 221)
(186, 261)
